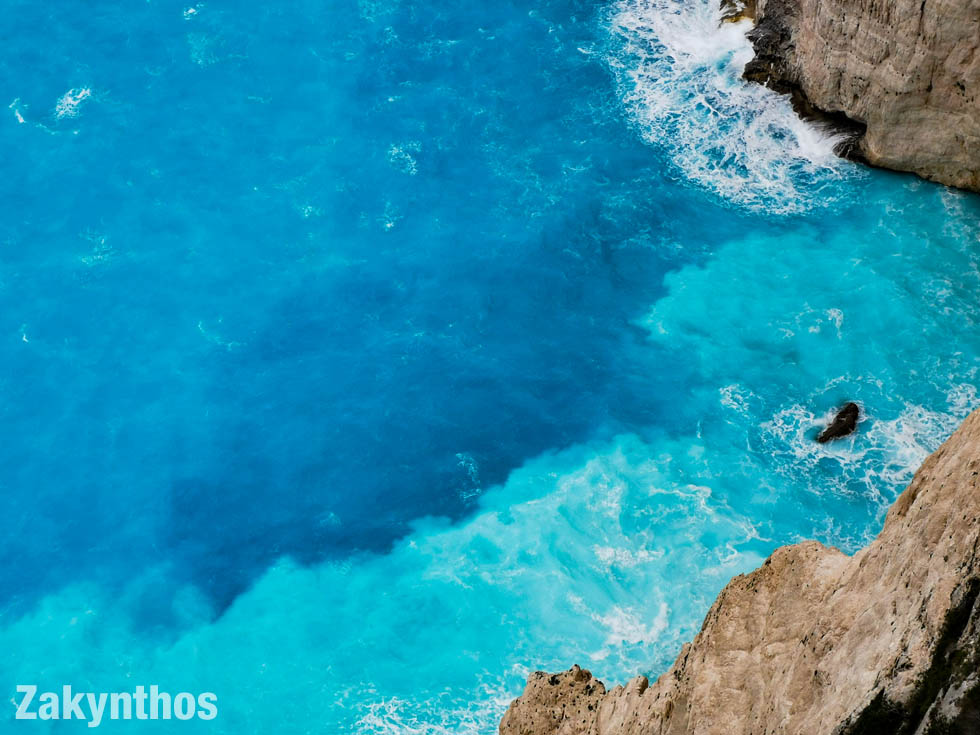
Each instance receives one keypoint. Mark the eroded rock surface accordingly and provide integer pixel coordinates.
(901, 76)
(815, 642)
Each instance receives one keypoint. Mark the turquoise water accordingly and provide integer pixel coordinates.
(363, 357)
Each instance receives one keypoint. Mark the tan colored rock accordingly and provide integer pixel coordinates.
(732, 11)
(908, 70)
(563, 702)
(815, 642)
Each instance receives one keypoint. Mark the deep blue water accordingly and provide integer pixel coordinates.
(361, 357)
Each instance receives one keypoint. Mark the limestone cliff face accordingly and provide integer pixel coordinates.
(815, 642)
(905, 74)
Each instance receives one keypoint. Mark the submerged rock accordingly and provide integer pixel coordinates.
(815, 642)
(900, 78)
(844, 423)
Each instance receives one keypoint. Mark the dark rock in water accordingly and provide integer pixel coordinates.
(843, 424)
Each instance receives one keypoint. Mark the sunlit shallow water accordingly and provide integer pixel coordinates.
(362, 358)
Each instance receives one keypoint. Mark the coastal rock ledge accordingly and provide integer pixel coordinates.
(902, 77)
(815, 642)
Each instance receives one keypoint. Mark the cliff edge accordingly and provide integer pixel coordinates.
(902, 77)
(815, 642)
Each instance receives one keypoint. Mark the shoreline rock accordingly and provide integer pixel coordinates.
(900, 78)
(815, 642)
(844, 424)
(732, 11)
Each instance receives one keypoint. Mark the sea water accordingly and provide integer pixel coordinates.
(362, 357)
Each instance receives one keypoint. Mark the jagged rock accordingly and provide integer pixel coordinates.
(557, 702)
(900, 77)
(844, 423)
(818, 643)
(733, 11)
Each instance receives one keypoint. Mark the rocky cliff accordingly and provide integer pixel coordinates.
(815, 642)
(901, 77)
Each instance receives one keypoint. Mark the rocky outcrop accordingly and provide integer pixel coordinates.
(900, 77)
(844, 424)
(815, 642)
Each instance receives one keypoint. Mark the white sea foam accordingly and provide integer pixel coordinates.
(678, 69)
(962, 399)
(737, 398)
(401, 158)
(70, 102)
(624, 558)
(882, 456)
(15, 106)
(211, 336)
(439, 716)
(101, 252)
(961, 223)
(625, 625)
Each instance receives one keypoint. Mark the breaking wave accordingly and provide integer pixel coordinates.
(678, 71)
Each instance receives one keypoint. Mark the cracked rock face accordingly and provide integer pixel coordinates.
(815, 642)
(904, 75)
